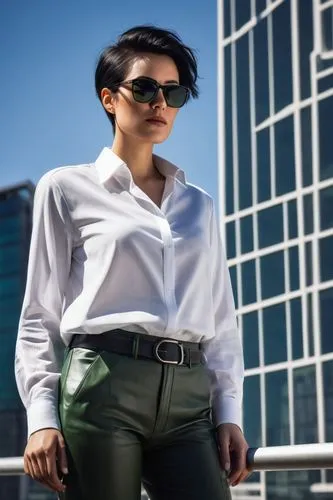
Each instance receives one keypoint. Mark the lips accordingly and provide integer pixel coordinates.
(156, 120)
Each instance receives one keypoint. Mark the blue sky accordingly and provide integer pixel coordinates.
(50, 115)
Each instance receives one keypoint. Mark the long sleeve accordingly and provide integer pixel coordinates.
(39, 347)
(224, 352)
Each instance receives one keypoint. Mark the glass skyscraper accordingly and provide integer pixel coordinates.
(276, 204)
(15, 230)
(16, 204)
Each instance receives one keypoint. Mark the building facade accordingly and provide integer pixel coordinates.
(276, 203)
(16, 204)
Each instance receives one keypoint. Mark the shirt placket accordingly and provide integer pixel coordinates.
(168, 273)
(168, 251)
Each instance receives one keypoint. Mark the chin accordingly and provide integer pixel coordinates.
(155, 138)
(159, 140)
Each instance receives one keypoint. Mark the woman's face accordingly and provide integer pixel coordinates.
(135, 119)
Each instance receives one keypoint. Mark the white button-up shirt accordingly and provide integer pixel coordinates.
(103, 256)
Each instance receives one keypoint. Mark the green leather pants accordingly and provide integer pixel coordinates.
(129, 421)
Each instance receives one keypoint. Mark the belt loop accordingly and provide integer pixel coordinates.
(135, 350)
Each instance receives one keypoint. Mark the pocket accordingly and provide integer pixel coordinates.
(88, 376)
(81, 364)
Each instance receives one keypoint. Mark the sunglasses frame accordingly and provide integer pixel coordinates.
(158, 86)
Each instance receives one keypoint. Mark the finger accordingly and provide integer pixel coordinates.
(225, 455)
(62, 455)
(27, 466)
(238, 465)
(47, 480)
(53, 474)
(40, 470)
(244, 475)
(34, 467)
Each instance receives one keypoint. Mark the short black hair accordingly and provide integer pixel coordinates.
(114, 62)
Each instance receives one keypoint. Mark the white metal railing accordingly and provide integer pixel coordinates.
(296, 457)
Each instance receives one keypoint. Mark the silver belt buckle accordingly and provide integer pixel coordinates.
(181, 349)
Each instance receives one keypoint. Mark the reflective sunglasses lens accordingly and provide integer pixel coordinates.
(175, 96)
(143, 91)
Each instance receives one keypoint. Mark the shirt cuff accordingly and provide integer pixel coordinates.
(226, 410)
(42, 414)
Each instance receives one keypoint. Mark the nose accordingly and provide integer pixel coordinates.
(159, 101)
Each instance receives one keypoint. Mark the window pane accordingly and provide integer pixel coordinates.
(326, 319)
(272, 275)
(251, 339)
(306, 138)
(326, 204)
(11, 224)
(243, 13)
(229, 191)
(10, 259)
(231, 240)
(25, 193)
(247, 234)
(9, 398)
(282, 56)
(270, 222)
(9, 238)
(292, 219)
(277, 408)
(310, 324)
(10, 286)
(328, 399)
(305, 18)
(233, 278)
(252, 410)
(9, 318)
(287, 485)
(260, 6)
(275, 342)
(293, 268)
(284, 156)
(10, 229)
(308, 264)
(325, 83)
(249, 282)
(12, 304)
(326, 253)
(327, 23)
(296, 328)
(263, 165)
(325, 107)
(308, 213)
(305, 405)
(261, 70)
(11, 206)
(243, 122)
(226, 18)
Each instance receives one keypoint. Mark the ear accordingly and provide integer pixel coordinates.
(108, 100)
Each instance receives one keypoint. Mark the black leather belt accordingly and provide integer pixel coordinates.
(137, 345)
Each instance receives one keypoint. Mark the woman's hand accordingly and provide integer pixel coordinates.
(45, 458)
(233, 450)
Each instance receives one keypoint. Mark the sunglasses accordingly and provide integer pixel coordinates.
(145, 90)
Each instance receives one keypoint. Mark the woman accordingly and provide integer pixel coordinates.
(126, 269)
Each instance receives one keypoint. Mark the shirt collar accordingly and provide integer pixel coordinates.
(108, 164)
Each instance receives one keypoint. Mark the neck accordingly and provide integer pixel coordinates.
(138, 156)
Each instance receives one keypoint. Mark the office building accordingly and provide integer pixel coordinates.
(15, 229)
(275, 82)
